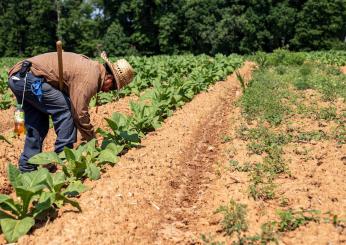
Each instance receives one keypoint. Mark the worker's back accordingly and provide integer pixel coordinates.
(77, 68)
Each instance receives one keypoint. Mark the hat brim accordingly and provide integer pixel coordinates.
(121, 70)
(114, 72)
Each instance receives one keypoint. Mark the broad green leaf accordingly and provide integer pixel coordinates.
(26, 196)
(75, 188)
(67, 200)
(107, 156)
(130, 136)
(102, 132)
(116, 149)
(59, 179)
(12, 173)
(135, 107)
(14, 229)
(34, 178)
(4, 198)
(8, 204)
(156, 122)
(32, 184)
(78, 152)
(91, 148)
(119, 120)
(45, 201)
(78, 168)
(69, 154)
(92, 171)
(55, 181)
(45, 158)
(112, 124)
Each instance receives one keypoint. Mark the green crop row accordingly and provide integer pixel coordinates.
(168, 68)
(40, 191)
(149, 70)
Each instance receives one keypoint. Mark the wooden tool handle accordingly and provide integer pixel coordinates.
(59, 51)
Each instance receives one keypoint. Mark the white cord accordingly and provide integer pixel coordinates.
(26, 74)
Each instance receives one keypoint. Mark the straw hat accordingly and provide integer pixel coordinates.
(121, 69)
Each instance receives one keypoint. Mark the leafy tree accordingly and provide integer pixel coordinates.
(281, 23)
(162, 26)
(79, 28)
(115, 41)
(321, 24)
(40, 33)
(13, 27)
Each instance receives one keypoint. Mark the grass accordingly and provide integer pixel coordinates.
(277, 92)
(282, 78)
(311, 135)
(235, 222)
(226, 138)
(263, 141)
(328, 113)
(263, 98)
(291, 220)
(340, 134)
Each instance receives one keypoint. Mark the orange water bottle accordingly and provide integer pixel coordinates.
(19, 127)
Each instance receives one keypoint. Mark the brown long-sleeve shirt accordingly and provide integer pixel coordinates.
(82, 78)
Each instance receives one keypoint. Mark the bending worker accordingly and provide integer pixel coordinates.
(35, 82)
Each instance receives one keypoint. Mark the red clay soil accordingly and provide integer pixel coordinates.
(151, 195)
(6, 119)
(343, 69)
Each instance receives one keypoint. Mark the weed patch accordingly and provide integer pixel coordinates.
(263, 99)
(235, 222)
(328, 114)
(263, 141)
(312, 135)
(270, 95)
(340, 134)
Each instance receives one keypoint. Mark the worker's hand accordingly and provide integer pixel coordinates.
(99, 141)
(78, 142)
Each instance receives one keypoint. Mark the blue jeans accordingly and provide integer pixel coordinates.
(54, 103)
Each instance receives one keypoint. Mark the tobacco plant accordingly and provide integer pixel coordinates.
(85, 161)
(122, 132)
(36, 192)
(144, 118)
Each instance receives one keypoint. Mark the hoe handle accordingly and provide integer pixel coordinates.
(59, 51)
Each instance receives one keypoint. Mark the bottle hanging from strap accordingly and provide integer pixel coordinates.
(19, 127)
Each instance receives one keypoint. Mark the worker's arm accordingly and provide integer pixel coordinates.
(81, 93)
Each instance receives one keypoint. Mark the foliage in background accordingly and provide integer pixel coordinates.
(168, 27)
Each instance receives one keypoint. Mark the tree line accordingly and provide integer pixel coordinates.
(147, 27)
